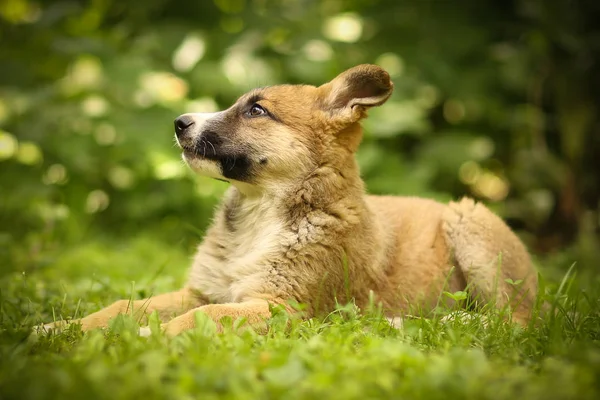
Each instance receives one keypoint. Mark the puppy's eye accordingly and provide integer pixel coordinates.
(256, 111)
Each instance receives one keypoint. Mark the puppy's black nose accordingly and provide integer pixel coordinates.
(182, 123)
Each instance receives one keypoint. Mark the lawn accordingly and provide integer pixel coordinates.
(346, 355)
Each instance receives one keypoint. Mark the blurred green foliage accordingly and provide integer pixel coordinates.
(494, 99)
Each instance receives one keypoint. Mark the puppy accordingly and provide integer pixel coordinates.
(296, 226)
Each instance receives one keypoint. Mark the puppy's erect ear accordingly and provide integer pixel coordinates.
(355, 90)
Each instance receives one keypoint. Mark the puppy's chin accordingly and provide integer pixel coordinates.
(203, 166)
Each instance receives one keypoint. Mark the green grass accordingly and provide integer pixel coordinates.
(346, 355)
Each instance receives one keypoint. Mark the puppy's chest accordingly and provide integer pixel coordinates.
(253, 231)
(248, 238)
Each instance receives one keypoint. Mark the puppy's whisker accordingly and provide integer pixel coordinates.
(213, 147)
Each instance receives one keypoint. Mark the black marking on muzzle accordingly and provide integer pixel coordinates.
(236, 167)
(233, 164)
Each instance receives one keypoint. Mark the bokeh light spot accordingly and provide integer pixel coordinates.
(29, 153)
(346, 27)
(481, 148)
(95, 106)
(317, 50)
(244, 70)
(121, 177)
(169, 169)
(190, 51)
(491, 186)
(202, 104)
(205, 188)
(97, 200)
(162, 87)
(55, 175)
(8, 145)
(233, 64)
(105, 134)
(84, 74)
(469, 172)
(427, 96)
(454, 111)
(392, 63)
(53, 212)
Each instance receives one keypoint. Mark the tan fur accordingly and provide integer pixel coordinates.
(296, 224)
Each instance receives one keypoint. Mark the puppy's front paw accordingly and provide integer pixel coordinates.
(169, 330)
(144, 331)
(50, 328)
(396, 322)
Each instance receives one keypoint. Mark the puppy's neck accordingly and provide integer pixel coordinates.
(326, 182)
(326, 187)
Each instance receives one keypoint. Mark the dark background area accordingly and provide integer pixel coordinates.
(498, 100)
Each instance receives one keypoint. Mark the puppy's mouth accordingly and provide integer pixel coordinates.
(236, 166)
(203, 149)
(206, 151)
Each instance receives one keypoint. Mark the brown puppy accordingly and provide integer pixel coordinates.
(296, 223)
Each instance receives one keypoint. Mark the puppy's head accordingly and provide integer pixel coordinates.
(280, 133)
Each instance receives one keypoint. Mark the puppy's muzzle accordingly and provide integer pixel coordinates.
(183, 124)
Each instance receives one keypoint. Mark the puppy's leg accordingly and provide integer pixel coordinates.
(489, 253)
(256, 311)
(167, 305)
